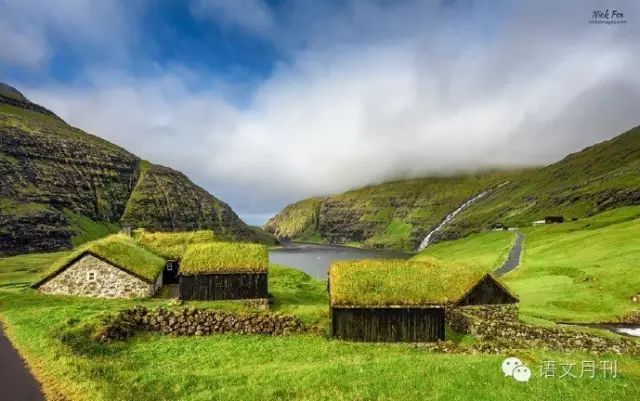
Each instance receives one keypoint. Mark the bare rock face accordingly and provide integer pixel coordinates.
(59, 182)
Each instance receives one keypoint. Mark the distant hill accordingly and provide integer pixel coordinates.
(399, 214)
(62, 186)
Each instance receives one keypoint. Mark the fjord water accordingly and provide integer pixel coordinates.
(315, 259)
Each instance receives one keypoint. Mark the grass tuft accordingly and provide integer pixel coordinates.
(171, 245)
(375, 282)
(224, 257)
(119, 249)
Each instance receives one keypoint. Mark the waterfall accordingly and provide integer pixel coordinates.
(453, 214)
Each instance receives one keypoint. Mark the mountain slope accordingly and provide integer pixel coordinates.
(399, 214)
(62, 186)
(599, 178)
(391, 215)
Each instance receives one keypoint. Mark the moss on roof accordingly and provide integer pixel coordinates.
(172, 245)
(224, 257)
(118, 249)
(380, 282)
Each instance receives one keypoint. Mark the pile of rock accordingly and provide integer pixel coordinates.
(500, 324)
(195, 322)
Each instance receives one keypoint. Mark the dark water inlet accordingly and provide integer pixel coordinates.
(315, 259)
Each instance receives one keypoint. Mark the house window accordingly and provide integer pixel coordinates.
(91, 276)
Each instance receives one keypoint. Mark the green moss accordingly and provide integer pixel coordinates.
(21, 209)
(379, 282)
(118, 249)
(171, 245)
(224, 257)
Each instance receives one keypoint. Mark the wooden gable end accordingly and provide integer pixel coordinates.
(487, 291)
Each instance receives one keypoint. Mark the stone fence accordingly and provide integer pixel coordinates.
(195, 322)
(500, 323)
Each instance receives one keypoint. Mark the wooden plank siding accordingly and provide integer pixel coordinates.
(223, 286)
(388, 324)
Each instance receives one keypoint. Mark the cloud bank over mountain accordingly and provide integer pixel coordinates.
(361, 93)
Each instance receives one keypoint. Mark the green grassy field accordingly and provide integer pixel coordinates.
(581, 271)
(52, 333)
(486, 251)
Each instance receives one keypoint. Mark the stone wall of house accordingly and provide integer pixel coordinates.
(109, 282)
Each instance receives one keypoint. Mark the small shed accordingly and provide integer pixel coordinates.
(553, 219)
(399, 300)
(217, 271)
(112, 267)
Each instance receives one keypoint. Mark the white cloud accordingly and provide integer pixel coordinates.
(27, 28)
(252, 15)
(354, 113)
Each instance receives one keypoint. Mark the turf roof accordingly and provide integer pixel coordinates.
(118, 249)
(224, 257)
(380, 282)
(172, 245)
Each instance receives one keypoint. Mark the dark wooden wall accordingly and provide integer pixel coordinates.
(487, 292)
(223, 286)
(388, 324)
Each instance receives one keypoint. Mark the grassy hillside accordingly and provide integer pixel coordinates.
(487, 251)
(62, 187)
(391, 215)
(582, 271)
(399, 214)
(165, 199)
(598, 178)
(298, 220)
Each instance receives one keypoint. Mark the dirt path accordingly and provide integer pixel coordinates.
(16, 382)
(514, 257)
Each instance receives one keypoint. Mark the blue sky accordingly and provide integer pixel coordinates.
(265, 102)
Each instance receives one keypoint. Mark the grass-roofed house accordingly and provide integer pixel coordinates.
(224, 270)
(112, 267)
(399, 300)
(171, 246)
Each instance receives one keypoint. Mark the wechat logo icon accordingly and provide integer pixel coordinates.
(513, 367)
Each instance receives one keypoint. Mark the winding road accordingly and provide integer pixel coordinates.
(514, 257)
(16, 382)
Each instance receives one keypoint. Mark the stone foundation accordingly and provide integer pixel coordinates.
(196, 322)
(107, 282)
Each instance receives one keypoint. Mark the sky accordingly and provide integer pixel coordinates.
(263, 103)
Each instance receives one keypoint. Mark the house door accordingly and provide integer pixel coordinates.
(170, 274)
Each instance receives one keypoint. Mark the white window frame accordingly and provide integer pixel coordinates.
(90, 274)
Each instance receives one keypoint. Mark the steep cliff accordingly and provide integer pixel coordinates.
(62, 186)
